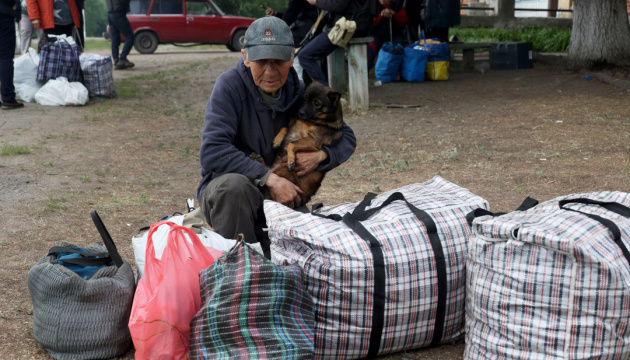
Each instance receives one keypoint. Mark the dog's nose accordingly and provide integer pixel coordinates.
(302, 114)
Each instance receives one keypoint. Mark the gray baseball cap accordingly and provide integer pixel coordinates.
(269, 38)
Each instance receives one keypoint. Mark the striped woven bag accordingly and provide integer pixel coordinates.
(252, 309)
(386, 274)
(551, 282)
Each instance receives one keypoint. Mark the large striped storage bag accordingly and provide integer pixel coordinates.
(386, 274)
(551, 282)
(252, 309)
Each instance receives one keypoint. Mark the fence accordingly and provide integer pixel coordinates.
(522, 8)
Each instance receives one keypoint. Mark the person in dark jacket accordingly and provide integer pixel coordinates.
(248, 106)
(361, 11)
(438, 16)
(10, 13)
(119, 24)
(299, 15)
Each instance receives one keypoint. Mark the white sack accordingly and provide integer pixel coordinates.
(61, 92)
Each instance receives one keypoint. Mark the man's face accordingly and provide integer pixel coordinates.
(269, 74)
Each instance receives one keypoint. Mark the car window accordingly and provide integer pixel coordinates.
(167, 7)
(198, 8)
(139, 6)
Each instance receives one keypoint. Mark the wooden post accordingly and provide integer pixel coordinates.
(358, 94)
(337, 78)
(506, 9)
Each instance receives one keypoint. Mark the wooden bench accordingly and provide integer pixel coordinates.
(468, 52)
(355, 81)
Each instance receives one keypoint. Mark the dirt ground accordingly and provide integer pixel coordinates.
(505, 135)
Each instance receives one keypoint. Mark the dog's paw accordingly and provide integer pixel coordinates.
(257, 157)
(291, 165)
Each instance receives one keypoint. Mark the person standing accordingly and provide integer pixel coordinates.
(10, 13)
(55, 17)
(26, 31)
(438, 16)
(119, 24)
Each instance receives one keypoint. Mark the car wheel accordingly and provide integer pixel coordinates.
(145, 42)
(237, 41)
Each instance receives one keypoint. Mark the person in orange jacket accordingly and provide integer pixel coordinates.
(55, 17)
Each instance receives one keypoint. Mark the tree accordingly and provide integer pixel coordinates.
(600, 34)
(95, 17)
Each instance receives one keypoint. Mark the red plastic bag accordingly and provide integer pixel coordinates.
(167, 296)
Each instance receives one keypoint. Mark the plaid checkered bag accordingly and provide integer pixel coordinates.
(59, 58)
(98, 76)
(386, 274)
(551, 282)
(252, 309)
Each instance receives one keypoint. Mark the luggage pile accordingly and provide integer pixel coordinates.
(62, 75)
(414, 267)
(426, 59)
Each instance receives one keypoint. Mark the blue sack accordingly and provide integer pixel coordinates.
(81, 261)
(389, 62)
(415, 62)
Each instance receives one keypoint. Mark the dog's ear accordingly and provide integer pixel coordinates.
(306, 78)
(334, 97)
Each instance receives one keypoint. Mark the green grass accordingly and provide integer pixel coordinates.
(543, 39)
(8, 150)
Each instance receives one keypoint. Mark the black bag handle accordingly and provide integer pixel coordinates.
(353, 221)
(527, 204)
(608, 205)
(612, 227)
(97, 259)
(107, 239)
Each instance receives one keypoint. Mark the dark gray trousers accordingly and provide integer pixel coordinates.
(232, 205)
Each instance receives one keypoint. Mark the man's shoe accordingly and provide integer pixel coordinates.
(12, 105)
(124, 64)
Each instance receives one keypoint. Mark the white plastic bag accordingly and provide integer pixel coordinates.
(61, 92)
(25, 76)
(209, 239)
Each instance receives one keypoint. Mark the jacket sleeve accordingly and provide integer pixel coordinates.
(32, 6)
(218, 153)
(334, 6)
(341, 151)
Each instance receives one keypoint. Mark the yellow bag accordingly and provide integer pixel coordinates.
(437, 70)
(342, 32)
(439, 61)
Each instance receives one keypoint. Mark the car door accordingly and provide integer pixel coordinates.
(168, 21)
(204, 23)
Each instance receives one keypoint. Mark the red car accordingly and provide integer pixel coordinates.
(184, 21)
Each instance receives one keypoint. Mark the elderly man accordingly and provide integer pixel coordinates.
(248, 106)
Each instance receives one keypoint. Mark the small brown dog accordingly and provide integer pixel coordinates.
(319, 123)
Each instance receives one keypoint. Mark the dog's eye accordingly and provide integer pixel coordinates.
(317, 103)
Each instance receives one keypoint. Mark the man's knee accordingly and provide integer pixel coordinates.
(230, 191)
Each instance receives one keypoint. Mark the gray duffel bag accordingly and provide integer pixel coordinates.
(79, 318)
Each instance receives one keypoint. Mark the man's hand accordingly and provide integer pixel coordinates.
(284, 191)
(37, 23)
(307, 162)
(312, 2)
(387, 13)
(270, 12)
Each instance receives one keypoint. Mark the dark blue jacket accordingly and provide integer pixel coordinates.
(441, 13)
(238, 123)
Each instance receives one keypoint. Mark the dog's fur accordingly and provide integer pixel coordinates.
(319, 123)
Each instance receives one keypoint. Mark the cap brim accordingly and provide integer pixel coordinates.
(278, 52)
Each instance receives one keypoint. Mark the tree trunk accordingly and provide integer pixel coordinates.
(600, 34)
